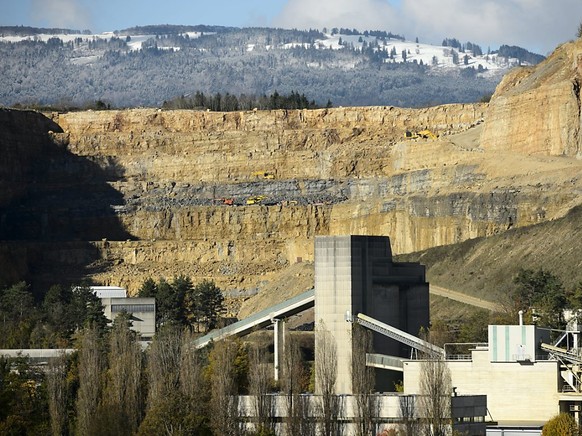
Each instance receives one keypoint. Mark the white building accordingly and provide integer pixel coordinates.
(527, 381)
(109, 291)
(142, 310)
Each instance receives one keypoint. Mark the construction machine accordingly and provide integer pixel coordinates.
(256, 199)
(226, 201)
(423, 134)
(264, 174)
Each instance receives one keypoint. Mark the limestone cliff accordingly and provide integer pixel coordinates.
(537, 110)
(142, 192)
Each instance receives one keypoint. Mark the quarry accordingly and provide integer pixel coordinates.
(118, 196)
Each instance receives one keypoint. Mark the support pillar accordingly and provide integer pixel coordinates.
(279, 344)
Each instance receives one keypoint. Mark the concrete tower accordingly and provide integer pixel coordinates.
(357, 274)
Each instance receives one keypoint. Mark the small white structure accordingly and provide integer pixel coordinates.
(516, 343)
(109, 291)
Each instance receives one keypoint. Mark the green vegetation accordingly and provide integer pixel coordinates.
(229, 103)
(539, 293)
(543, 296)
(29, 319)
(180, 302)
(48, 322)
(561, 425)
(110, 386)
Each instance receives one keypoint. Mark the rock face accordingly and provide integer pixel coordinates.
(537, 110)
(124, 195)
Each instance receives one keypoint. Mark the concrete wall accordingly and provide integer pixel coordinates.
(333, 297)
(387, 412)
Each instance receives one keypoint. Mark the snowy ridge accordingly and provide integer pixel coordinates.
(431, 55)
(435, 56)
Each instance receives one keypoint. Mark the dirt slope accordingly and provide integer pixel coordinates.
(485, 267)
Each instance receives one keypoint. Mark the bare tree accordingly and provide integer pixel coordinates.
(299, 419)
(325, 380)
(178, 393)
(224, 401)
(57, 391)
(123, 392)
(163, 362)
(410, 424)
(435, 390)
(192, 383)
(260, 384)
(305, 409)
(579, 33)
(91, 367)
(363, 382)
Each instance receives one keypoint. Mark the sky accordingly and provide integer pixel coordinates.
(537, 25)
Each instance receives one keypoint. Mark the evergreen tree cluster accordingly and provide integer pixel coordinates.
(543, 297)
(27, 30)
(30, 321)
(519, 53)
(468, 46)
(181, 303)
(229, 103)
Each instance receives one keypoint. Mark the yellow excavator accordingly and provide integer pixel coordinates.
(256, 199)
(264, 174)
(423, 134)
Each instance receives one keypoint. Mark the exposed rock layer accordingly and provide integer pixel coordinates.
(139, 193)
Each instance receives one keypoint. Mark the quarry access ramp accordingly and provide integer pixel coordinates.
(464, 298)
(261, 319)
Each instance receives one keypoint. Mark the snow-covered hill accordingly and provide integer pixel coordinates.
(435, 56)
(153, 64)
(427, 54)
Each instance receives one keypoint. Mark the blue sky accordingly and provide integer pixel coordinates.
(538, 25)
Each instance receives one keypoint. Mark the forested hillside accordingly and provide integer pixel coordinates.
(150, 65)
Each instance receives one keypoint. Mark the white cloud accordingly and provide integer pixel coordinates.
(360, 14)
(534, 24)
(538, 25)
(61, 13)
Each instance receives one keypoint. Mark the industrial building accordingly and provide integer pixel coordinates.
(356, 274)
(142, 310)
(512, 384)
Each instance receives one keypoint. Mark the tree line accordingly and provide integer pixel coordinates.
(468, 46)
(229, 102)
(50, 321)
(179, 302)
